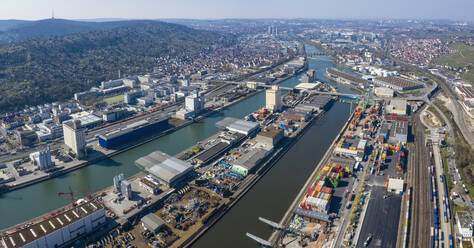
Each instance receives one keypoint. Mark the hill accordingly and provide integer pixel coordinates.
(9, 24)
(50, 69)
(14, 30)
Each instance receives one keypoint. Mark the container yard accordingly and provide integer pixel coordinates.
(353, 197)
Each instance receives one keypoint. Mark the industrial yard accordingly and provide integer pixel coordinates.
(356, 186)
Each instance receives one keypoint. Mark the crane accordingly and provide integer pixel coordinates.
(71, 193)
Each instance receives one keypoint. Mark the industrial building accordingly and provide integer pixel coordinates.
(59, 230)
(395, 185)
(306, 86)
(75, 137)
(133, 132)
(465, 224)
(248, 161)
(397, 106)
(398, 132)
(270, 136)
(273, 99)
(295, 115)
(345, 78)
(238, 125)
(316, 102)
(152, 223)
(126, 189)
(397, 83)
(169, 170)
(42, 159)
(118, 182)
(383, 92)
(308, 77)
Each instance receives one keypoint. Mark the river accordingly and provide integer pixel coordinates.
(269, 198)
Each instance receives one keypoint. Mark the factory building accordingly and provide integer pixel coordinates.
(293, 115)
(273, 99)
(75, 137)
(133, 132)
(308, 77)
(42, 159)
(270, 136)
(169, 170)
(26, 137)
(397, 106)
(60, 230)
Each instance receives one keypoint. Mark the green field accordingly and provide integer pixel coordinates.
(463, 56)
(114, 100)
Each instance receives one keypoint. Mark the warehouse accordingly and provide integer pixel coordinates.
(59, 230)
(132, 132)
(383, 92)
(152, 223)
(317, 102)
(397, 106)
(312, 216)
(270, 136)
(295, 115)
(398, 132)
(249, 161)
(169, 170)
(238, 125)
(212, 153)
(397, 83)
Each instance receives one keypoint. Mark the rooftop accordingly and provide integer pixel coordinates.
(50, 225)
(465, 219)
(400, 82)
(163, 166)
(270, 132)
(238, 125)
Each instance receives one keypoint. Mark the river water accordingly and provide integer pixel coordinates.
(270, 197)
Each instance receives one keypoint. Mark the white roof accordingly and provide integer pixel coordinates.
(244, 127)
(395, 184)
(164, 167)
(306, 86)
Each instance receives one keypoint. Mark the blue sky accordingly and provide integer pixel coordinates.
(212, 9)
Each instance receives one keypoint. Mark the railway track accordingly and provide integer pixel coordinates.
(418, 176)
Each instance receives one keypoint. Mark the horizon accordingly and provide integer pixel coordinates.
(461, 10)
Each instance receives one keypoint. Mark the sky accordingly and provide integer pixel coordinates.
(217, 9)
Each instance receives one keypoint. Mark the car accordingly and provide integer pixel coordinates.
(367, 241)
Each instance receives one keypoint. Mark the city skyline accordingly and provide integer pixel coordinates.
(213, 9)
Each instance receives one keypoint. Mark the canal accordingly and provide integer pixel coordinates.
(270, 197)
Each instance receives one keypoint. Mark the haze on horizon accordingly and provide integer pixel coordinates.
(217, 9)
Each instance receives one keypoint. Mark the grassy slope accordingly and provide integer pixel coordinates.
(463, 57)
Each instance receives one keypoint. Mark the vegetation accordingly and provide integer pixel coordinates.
(437, 114)
(114, 99)
(51, 69)
(464, 56)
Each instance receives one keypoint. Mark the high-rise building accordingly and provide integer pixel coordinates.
(42, 159)
(308, 77)
(118, 182)
(75, 137)
(195, 102)
(273, 99)
(270, 30)
(126, 189)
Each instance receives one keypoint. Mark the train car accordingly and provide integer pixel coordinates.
(432, 238)
(431, 191)
(451, 244)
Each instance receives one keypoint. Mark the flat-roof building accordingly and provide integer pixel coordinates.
(398, 132)
(270, 136)
(167, 169)
(397, 106)
(464, 223)
(60, 230)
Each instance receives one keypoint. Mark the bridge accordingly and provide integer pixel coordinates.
(263, 85)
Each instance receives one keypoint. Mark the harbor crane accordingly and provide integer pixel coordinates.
(72, 193)
(260, 241)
